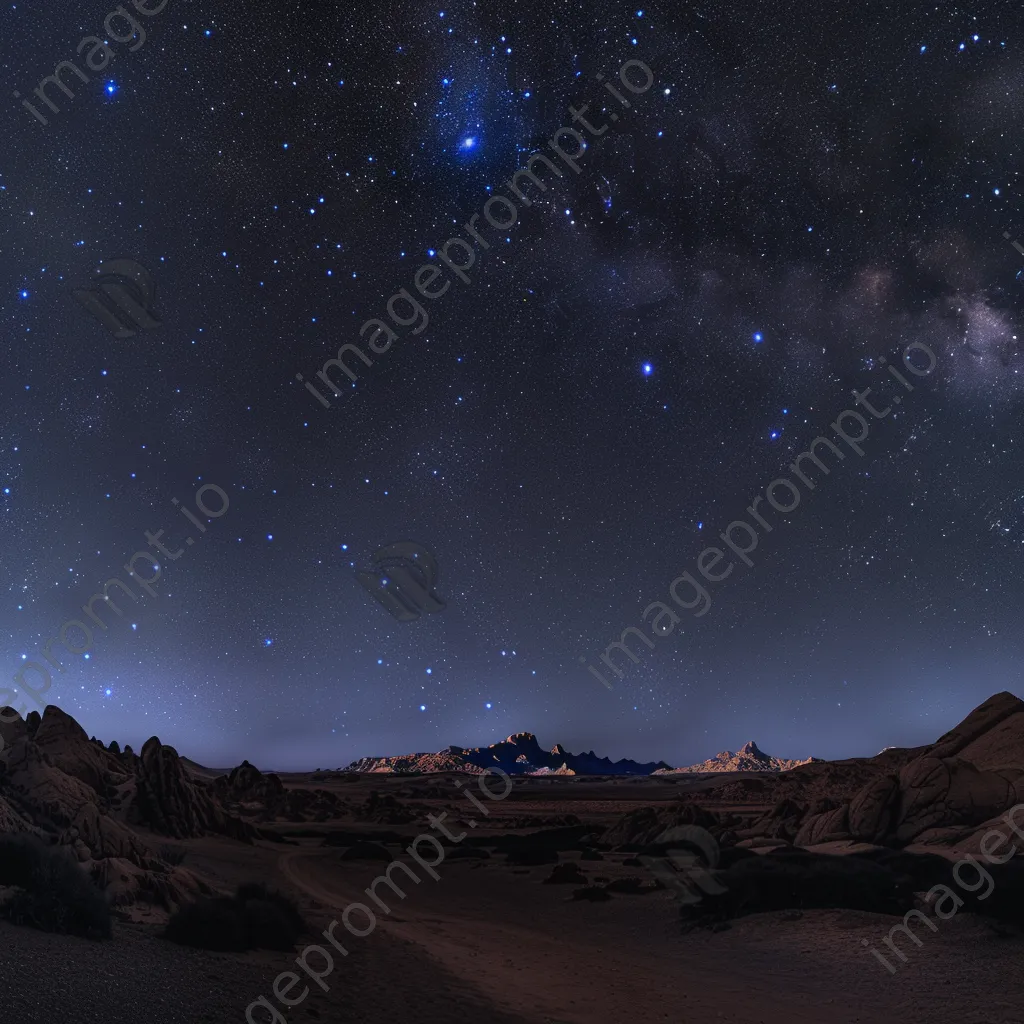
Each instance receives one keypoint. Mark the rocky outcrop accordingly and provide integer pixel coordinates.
(169, 801)
(943, 794)
(64, 742)
(640, 827)
(126, 884)
(825, 827)
(65, 788)
(872, 809)
(970, 776)
(246, 790)
(749, 758)
(948, 791)
(990, 737)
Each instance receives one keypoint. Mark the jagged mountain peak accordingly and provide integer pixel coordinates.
(749, 758)
(518, 754)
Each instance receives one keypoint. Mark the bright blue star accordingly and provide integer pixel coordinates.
(430, 671)
(111, 87)
(267, 642)
(648, 369)
(487, 705)
(700, 526)
(469, 142)
(24, 294)
(759, 337)
(423, 707)
(107, 692)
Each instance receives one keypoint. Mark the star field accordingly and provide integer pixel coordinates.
(802, 192)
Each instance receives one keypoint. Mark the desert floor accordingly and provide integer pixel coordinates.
(488, 941)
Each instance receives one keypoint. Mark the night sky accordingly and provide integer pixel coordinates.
(803, 190)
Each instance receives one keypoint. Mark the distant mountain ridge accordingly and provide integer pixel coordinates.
(749, 758)
(519, 754)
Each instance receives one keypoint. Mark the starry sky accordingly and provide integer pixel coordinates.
(803, 191)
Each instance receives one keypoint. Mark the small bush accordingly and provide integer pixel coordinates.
(18, 856)
(257, 891)
(256, 917)
(209, 924)
(57, 895)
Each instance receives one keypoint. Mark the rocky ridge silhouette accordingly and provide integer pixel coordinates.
(519, 754)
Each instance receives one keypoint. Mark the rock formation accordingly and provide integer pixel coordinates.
(948, 793)
(519, 754)
(63, 787)
(749, 758)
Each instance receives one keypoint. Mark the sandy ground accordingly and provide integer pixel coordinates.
(531, 950)
(492, 943)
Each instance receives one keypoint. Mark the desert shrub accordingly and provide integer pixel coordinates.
(173, 855)
(285, 904)
(789, 879)
(56, 896)
(256, 917)
(267, 926)
(209, 924)
(19, 853)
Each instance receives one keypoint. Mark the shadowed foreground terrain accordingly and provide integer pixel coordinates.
(543, 911)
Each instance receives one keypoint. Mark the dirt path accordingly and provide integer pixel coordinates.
(526, 946)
